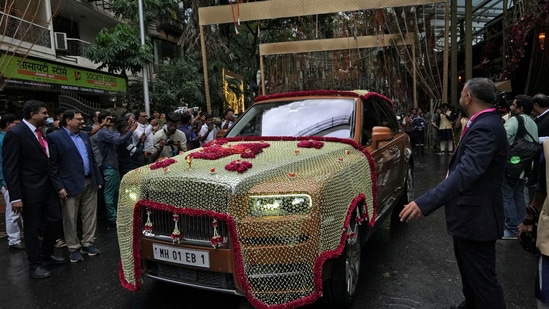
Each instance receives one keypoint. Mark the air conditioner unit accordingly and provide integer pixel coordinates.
(61, 41)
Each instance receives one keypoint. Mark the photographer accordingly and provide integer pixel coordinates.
(445, 130)
(108, 140)
(144, 127)
(208, 131)
(169, 141)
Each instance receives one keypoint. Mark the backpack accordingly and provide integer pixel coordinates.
(522, 153)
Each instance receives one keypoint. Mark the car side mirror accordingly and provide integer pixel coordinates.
(381, 134)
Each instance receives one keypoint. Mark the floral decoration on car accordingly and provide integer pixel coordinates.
(162, 163)
(216, 151)
(238, 166)
(310, 144)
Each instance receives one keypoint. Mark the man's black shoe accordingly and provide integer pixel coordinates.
(18, 246)
(39, 273)
(462, 305)
(52, 259)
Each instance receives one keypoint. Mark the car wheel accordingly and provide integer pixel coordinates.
(340, 289)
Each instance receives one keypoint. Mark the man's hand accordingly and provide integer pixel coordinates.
(133, 125)
(523, 228)
(411, 211)
(106, 121)
(62, 193)
(154, 122)
(161, 144)
(17, 207)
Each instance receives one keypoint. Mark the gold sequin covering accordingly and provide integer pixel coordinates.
(280, 256)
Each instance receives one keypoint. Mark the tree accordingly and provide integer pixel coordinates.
(119, 49)
(178, 83)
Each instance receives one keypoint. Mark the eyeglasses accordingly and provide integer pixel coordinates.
(144, 116)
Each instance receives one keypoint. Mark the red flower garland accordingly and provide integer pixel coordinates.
(518, 37)
(238, 166)
(310, 144)
(214, 151)
(163, 163)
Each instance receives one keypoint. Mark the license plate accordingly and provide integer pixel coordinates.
(177, 255)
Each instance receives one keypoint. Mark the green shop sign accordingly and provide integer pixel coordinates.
(45, 75)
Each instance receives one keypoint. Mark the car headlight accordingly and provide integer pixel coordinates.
(131, 192)
(279, 205)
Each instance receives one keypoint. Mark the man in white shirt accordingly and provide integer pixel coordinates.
(208, 131)
(228, 119)
(143, 127)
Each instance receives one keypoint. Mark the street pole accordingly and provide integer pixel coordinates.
(145, 74)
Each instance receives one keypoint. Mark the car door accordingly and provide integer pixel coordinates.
(387, 155)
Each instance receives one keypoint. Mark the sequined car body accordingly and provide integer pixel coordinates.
(276, 210)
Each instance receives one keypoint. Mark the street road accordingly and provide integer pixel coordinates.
(411, 267)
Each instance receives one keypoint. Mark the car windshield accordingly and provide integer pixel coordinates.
(330, 117)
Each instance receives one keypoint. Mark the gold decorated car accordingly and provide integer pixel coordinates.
(277, 210)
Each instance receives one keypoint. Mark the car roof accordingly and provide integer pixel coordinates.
(364, 94)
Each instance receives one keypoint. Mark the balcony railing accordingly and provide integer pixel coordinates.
(77, 47)
(24, 30)
(102, 4)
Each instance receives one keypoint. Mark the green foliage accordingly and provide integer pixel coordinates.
(178, 83)
(119, 49)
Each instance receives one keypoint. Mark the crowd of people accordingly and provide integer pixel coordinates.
(57, 174)
(444, 122)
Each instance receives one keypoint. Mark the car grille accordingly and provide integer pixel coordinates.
(191, 276)
(194, 230)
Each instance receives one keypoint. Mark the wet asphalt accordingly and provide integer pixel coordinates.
(412, 266)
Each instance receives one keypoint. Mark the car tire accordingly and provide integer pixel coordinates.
(341, 288)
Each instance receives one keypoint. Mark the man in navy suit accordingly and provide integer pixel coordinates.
(27, 174)
(472, 195)
(76, 178)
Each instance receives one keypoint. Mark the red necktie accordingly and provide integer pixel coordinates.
(42, 140)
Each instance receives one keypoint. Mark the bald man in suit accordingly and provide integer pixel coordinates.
(472, 196)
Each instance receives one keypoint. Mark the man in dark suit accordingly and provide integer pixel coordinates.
(26, 171)
(540, 113)
(76, 178)
(473, 198)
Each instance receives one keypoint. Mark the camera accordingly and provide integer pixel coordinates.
(111, 119)
(168, 142)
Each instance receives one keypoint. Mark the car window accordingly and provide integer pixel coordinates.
(309, 117)
(376, 112)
